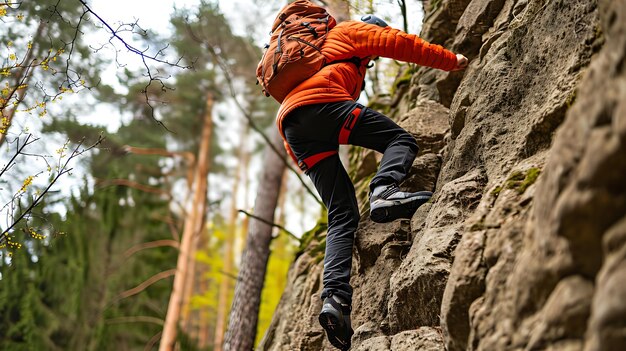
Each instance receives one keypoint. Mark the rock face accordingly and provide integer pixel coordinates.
(523, 246)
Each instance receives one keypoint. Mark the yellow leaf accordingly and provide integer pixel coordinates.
(27, 182)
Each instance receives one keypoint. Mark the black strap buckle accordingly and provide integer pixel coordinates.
(302, 166)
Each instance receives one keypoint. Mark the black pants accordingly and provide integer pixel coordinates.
(315, 130)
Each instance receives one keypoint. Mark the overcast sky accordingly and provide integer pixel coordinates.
(155, 14)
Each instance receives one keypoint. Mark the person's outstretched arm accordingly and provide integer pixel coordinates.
(371, 40)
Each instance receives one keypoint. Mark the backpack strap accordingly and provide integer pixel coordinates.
(307, 25)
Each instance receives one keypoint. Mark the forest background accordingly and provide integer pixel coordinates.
(134, 142)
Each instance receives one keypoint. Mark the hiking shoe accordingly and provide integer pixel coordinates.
(335, 319)
(388, 203)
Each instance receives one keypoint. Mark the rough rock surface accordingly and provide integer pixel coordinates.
(523, 246)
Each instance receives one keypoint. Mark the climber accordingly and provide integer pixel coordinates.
(321, 113)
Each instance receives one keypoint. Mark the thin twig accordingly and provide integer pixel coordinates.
(62, 170)
(144, 57)
(144, 285)
(143, 246)
(153, 340)
(270, 224)
(230, 275)
(150, 245)
(130, 47)
(19, 151)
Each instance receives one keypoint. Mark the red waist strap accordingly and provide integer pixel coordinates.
(344, 135)
(346, 129)
(310, 161)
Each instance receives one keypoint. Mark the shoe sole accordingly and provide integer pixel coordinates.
(398, 210)
(330, 322)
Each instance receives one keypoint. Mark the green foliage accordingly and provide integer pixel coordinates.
(571, 99)
(520, 181)
(27, 322)
(314, 234)
(435, 5)
(496, 191)
(403, 78)
(67, 289)
(211, 258)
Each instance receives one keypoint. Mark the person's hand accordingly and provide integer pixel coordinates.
(461, 62)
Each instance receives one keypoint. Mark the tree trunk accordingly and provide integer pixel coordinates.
(226, 282)
(244, 313)
(204, 164)
(246, 184)
(282, 199)
(193, 227)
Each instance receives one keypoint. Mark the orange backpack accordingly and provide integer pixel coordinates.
(294, 52)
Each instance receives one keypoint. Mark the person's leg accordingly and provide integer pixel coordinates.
(312, 130)
(334, 186)
(374, 130)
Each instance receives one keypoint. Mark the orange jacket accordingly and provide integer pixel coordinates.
(342, 81)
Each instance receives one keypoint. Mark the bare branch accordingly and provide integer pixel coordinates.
(144, 58)
(19, 151)
(189, 157)
(231, 276)
(141, 53)
(153, 340)
(174, 230)
(152, 244)
(270, 224)
(69, 56)
(141, 287)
